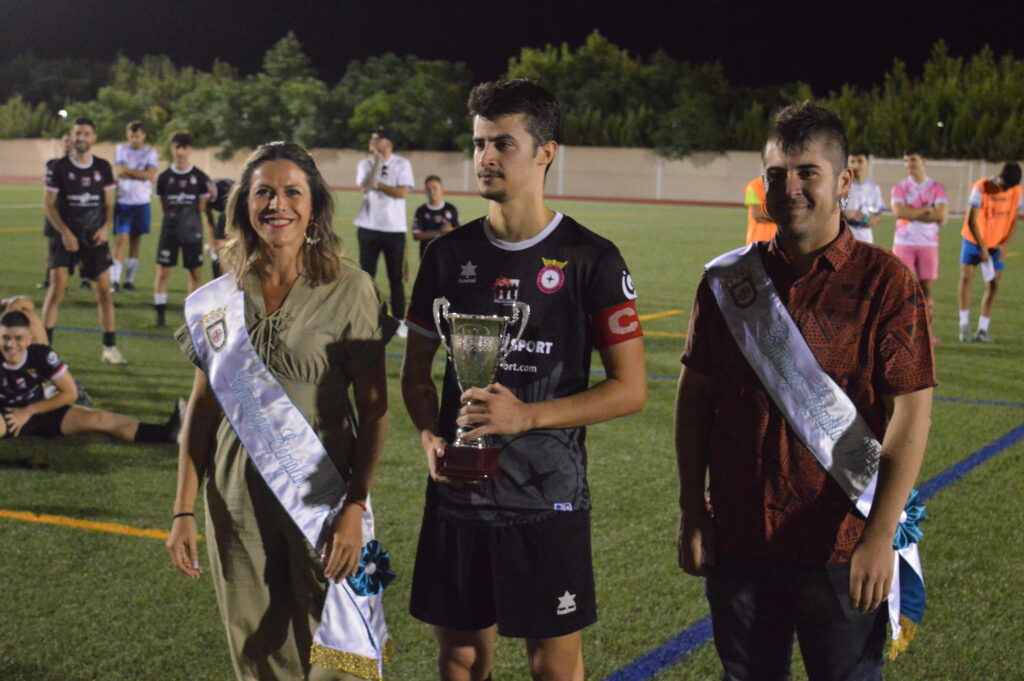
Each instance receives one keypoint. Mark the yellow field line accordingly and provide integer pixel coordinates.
(1012, 255)
(664, 333)
(659, 315)
(21, 229)
(92, 525)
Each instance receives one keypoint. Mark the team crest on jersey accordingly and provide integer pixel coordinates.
(741, 288)
(191, 179)
(552, 276)
(506, 291)
(215, 326)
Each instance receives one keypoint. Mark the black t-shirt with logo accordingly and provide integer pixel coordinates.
(581, 296)
(80, 199)
(23, 385)
(180, 192)
(48, 228)
(427, 219)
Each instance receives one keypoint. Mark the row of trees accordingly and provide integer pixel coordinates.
(956, 107)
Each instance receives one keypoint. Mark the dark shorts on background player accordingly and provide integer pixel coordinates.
(92, 262)
(130, 219)
(970, 254)
(167, 251)
(43, 425)
(534, 579)
(220, 228)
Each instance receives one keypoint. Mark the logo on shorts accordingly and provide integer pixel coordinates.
(741, 288)
(566, 603)
(551, 277)
(563, 507)
(215, 326)
(506, 291)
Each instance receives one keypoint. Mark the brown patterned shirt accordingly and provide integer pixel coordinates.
(863, 316)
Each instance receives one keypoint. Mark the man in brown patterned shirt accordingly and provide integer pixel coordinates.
(781, 546)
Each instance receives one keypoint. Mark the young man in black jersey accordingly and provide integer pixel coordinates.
(220, 190)
(65, 145)
(435, 217)
(512, 555)
(28, 412)
(80, 206)
(183, 190)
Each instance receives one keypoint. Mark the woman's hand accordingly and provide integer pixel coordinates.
(182, 546)
(345, 545)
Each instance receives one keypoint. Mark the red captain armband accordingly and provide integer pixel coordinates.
(615, 324)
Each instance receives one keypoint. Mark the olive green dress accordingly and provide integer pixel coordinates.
(269, 581)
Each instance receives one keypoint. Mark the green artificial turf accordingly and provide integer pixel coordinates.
(83, 605)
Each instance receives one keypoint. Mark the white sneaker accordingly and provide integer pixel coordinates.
(403, 331)
(111, 355)
(965, 333)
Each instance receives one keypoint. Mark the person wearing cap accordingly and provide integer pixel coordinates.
(385, 178)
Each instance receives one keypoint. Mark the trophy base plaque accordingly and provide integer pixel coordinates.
(469, 463)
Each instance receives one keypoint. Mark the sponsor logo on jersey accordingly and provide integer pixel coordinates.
(506, 291)
(537, 347)
(467, 275)
(563, 507)
(628, 289)
(215, 326)
(551, 277)
(566, 603)
(741, 288)
(86, 180)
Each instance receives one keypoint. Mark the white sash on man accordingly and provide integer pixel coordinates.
(818, 411)
(352, 636)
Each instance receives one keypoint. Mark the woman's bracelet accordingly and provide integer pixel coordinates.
(182, 515)
(360, 504)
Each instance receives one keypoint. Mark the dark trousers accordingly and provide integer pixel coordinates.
(371, 244)
(757, 607)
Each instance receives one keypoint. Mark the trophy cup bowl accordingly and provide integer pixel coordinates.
(476, 345)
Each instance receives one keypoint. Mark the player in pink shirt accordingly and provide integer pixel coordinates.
(920, 206)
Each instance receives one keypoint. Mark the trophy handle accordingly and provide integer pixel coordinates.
(520, 313)
(441, 306)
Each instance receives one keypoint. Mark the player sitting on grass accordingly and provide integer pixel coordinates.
(26, 411)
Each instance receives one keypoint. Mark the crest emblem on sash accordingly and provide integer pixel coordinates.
(215, 326)
(741, 288)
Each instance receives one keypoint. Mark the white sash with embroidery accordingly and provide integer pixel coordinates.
(288, 454)
(819, 412)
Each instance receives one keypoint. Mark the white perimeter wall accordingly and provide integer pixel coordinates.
(591, 172)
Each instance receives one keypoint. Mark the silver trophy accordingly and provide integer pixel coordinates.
(477, 345)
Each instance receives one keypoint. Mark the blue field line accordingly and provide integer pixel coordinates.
(133, 334)
(676, 649)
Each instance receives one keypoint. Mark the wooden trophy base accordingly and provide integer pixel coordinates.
(469, 463)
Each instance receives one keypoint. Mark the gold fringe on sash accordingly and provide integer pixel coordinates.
(908, 630)
(340, 661)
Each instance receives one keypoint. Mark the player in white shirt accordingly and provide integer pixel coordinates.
(135, 165)
(864, 204)
(385, 178)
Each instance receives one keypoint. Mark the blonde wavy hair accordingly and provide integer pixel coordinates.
(323, 249)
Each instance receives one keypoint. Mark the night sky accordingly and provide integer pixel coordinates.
(759, 44)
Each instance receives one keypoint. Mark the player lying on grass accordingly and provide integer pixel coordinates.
(26, 411)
